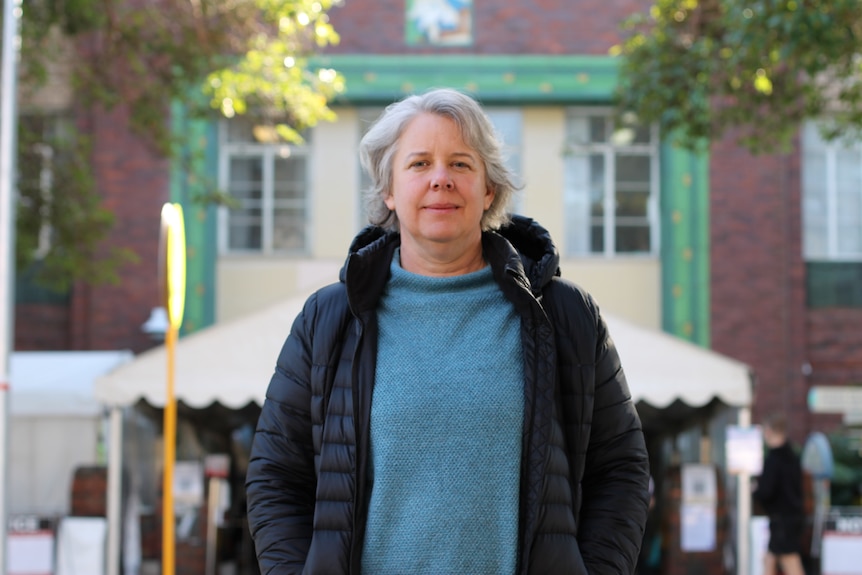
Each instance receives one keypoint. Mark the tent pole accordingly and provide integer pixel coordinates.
(743, 507)
(115, 487)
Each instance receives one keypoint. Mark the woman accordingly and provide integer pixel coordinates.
(451, 405)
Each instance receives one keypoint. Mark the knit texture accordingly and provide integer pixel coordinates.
(446, 422)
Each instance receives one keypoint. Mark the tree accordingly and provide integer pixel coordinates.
(701, 68)
(241, 57)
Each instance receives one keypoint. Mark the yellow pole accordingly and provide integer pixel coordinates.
(170, 435)
(174, 251)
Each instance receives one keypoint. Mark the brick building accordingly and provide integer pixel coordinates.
(750, 299)
(744, 255)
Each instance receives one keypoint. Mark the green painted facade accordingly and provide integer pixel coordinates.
(685, 243)
(492, 79)
(498, 79)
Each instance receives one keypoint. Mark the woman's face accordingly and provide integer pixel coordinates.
(439, 191)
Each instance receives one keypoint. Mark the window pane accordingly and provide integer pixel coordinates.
(508, 126)
(643, 135)
(598, 129)
(245, 223)
(603, 167)
(577, 130)
(632, 204)
(849, 202)
(633, 238)
(834, 284)
(632, 172)
(597, 185)
(584, 199)
(244, 231)
(288, 229)
(289, 204)
(597, 237)
(290, 180)
(831, 197)
(577, 204)
(814, 205)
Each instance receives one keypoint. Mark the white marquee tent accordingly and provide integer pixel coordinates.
(231, 364)
(51, 400)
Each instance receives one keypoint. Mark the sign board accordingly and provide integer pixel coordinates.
(841, 550)
(30, 553)
(744, 450)
(835, 399)
(698, 508)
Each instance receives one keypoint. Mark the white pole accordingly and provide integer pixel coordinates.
(743, 509)
(8, 129)
(115, 491)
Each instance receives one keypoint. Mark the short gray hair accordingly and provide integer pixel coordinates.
(378, 147)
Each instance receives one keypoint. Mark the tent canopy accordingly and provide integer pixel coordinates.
(231, 364)
(55, 383)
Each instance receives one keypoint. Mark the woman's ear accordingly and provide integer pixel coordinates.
(490, 194)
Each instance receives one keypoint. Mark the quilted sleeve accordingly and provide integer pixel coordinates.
(281, 483)
(616, 473)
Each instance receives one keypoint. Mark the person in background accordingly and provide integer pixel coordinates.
(451, 405)
(779, 491)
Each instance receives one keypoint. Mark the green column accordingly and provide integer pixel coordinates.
(685, 243)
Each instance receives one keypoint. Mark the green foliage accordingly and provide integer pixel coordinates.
(756, 68)
(61, 222)
(233, 56)
(846, 484)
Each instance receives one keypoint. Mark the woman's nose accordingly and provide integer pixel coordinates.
(441, 179)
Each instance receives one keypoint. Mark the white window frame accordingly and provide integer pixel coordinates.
(609, 151)
(268, 153)
(830, 150)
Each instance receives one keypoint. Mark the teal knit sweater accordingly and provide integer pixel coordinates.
(446, 421)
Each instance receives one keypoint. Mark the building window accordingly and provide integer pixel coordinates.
(509, 125)
(832, 219)
(832, 197)
(269, 181)
(611, 186)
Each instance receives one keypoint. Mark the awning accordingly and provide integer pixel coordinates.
(675, 383)
(54, 383)
(231, 364)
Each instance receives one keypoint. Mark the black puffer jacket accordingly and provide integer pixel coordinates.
(584, 473)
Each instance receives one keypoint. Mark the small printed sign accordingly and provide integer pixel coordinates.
(744, 450)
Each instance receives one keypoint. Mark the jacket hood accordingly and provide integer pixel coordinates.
(525, 240)
(539, 255)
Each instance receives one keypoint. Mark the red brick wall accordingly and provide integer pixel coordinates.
(758, 275)
(134, 182)
(41, 326)
(516, 27)
(834, 352)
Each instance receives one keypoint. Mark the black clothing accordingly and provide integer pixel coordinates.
(584, 471)
(779, 490)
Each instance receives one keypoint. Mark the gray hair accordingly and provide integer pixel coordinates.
(378, 146)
